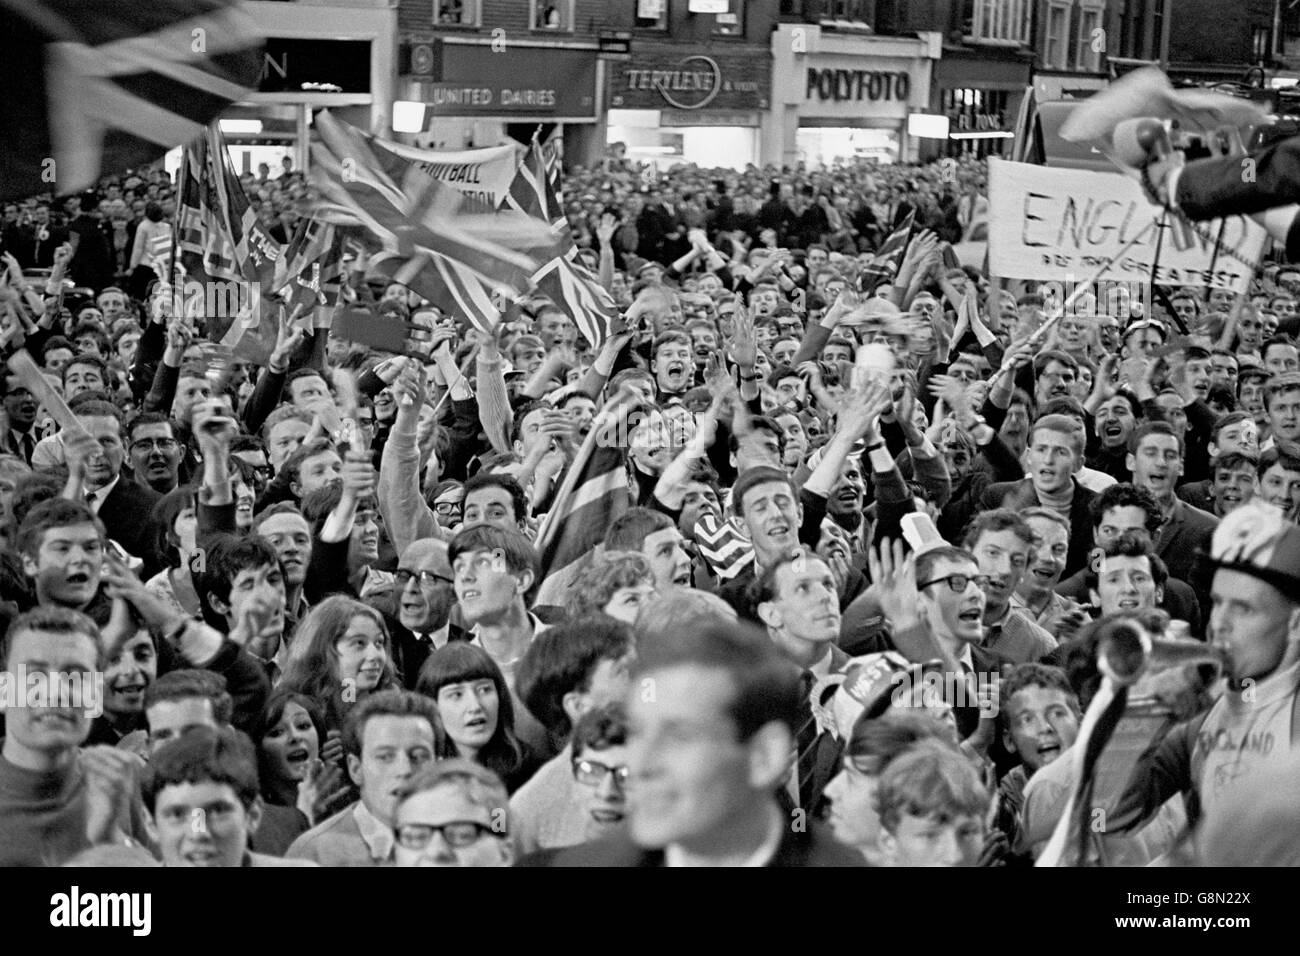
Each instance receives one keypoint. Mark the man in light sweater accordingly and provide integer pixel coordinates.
(1256, 619)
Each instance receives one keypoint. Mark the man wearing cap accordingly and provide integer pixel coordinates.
(1255, 724)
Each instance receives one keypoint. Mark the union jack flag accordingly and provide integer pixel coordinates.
(100, 86)
(536, 192)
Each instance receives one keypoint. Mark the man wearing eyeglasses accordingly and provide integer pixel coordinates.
(421, 605)
(600, 767)
(155, 452)
(453, 813)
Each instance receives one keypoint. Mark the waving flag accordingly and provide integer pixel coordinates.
(417, 222)
(535, 192)
(889, 257)
(225, 253)
(98, 86)
(310, 273)
(596, 491)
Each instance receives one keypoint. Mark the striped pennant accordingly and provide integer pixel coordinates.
(889, 257)
(99, 85)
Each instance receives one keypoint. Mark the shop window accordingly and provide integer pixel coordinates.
(1055, 42)
(854, 11)
(998, 21)
(731, 23)
(1092, 39)
(456, 13)
(555, 16)
(651, 14)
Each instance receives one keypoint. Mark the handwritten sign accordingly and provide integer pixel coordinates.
(1062, 224)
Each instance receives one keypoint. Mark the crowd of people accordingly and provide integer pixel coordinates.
(878, 519)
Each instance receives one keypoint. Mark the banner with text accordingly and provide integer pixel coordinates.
(483, 176)
(1048, 223)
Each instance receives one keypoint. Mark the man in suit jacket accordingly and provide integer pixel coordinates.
(1055, 451)
(125, 507)
(798, 602)
(712, 717)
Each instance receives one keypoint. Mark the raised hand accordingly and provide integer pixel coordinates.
(358, 476)
(214, 430)
(319, 788)
(742, 344)
(289, 336)
(80, 449)
(893, 572)
(606, 228)
(110, 776)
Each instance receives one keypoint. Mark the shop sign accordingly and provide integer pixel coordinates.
(693, 81)
(858, 85)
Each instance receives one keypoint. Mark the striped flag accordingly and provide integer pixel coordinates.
(158, 254)
(536, 192)
(885, 264)
(596, 491)
(224, 251)
(417, 223)
(310, 273)
(723, 545)
(99, 86)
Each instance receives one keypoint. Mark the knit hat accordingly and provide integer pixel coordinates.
(1256, 539)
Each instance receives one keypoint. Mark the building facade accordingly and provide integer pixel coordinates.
(488, 70)
(695, 84)
(335, 54)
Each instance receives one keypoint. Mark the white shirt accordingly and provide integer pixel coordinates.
(97, 501)
(675, 856)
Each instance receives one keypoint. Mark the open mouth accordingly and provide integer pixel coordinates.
(971, 616)
(777, 530)
(1129, 604)
(476, 723)
(77, 578)
(1049, 752)
(297, 755)
(469, 595)
(1043, 575)
(683, 579)
(676, 369)
(607, 816)
(200, 858)
(1112, 430)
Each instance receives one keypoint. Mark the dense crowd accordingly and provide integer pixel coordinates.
(881, 518)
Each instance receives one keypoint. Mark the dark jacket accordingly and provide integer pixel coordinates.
(127, 514)
(1019, 495)
(813, 846)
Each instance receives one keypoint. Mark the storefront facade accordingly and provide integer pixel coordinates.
(477, 93)
(836, 96)
(671, 103)
(340, 56)
(980, 91)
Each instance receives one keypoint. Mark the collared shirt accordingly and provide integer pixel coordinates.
(675, 857)
(377, 835)
(95, 499)
(1015, 638)
(1056, 604)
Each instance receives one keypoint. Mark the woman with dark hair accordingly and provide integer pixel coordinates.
(340, 653)
(177, 522)
(298, 763)
(478, 716)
